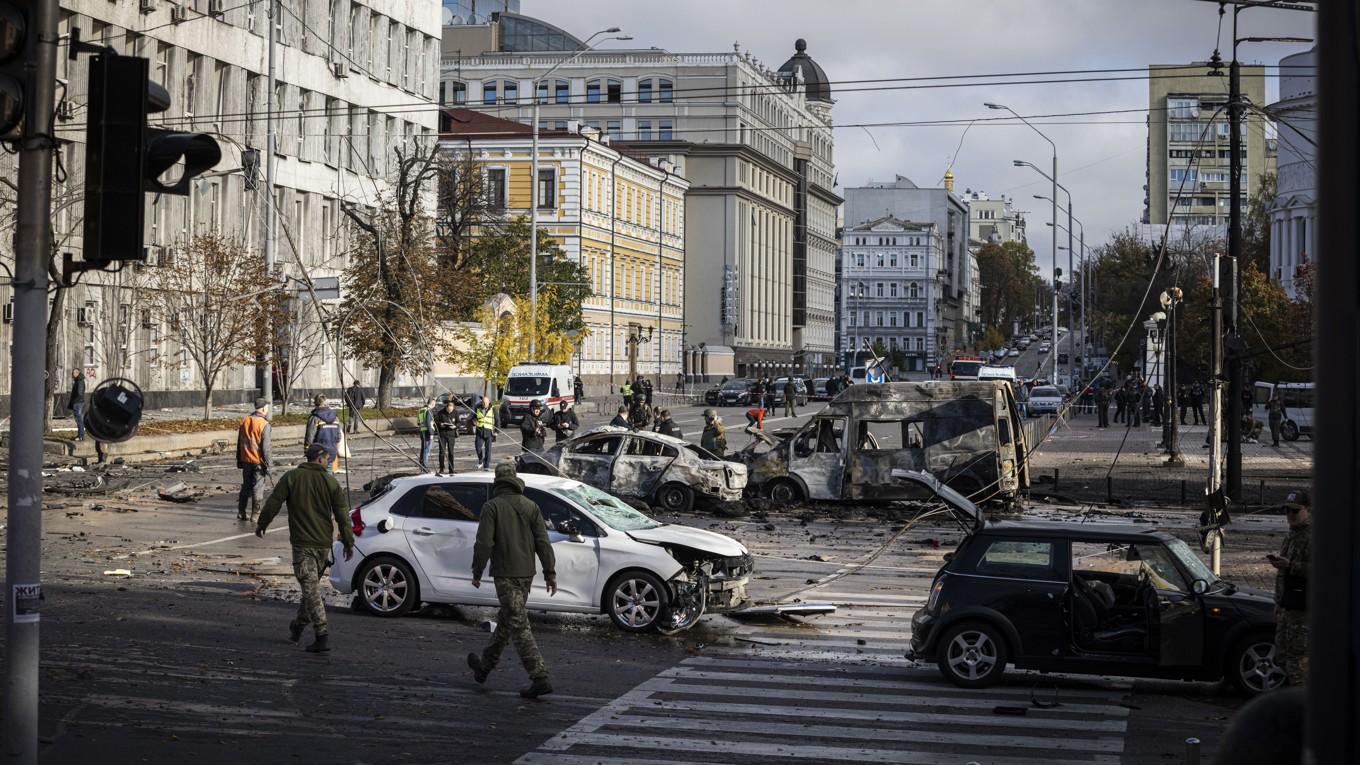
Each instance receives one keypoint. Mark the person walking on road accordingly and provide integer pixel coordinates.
(354, 402)
(578, 389)
(790, 398)
(1102, 408)
(626, 390)
(1291, 589)
(322, 429)
(252, 459)
(621, 419)
(425, 421)
(75, 403)
(446, 428)
(1197, 404)
(1275, 414)
(1120, 399)
(510, 533)
(714, 437)
(315, 502)
(564, 422)
(531, 428)
(484, 430)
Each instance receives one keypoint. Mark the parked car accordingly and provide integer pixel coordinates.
(1014, 352)
(1044, 399)
(664, 472)
(413, 544)
(1087, 598)
(735, 392)
(817, 391)
(800, 397)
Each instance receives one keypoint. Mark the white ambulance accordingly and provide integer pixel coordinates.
(531, 381)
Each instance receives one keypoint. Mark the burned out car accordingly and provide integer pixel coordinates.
(664, 472)
(1089, 598)
(966, 434)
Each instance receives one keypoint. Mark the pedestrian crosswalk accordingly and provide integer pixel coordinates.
(712, 709)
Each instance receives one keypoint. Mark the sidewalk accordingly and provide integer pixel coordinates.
(1080, 461)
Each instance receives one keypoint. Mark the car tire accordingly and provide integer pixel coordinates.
(785, 491)
(1251, 666)
(674, 498)
(635, 601)
(1290, 430)
(972, 655)
(387, 587)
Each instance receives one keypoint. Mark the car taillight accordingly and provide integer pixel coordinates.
(934, 594)
(356, 520)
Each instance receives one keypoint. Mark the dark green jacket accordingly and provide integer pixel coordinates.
(511, 530)
(315, 501)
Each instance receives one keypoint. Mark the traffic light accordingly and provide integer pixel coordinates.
(15, 47)
(124, 158)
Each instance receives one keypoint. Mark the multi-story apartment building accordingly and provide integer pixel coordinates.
(956, 317)
(1293, 214)
(754, 142)
(620, 215)
(353, 78)
(1188, 138)
(993, 220)
(889, 293)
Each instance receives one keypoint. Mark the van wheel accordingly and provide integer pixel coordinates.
(1290, 430)
(675, 498)
(972, 655)
(785, 492)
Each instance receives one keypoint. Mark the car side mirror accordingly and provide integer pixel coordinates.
(570, 530)
(1199, 586)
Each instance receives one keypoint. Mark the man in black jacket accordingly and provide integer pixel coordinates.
(666, 426)
(446, 428)
(354, 401)
(564, 422)
(76, 402)
(621, 419)
(532, 429)
(510, 534)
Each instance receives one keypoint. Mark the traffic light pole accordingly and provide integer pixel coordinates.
(32, 248)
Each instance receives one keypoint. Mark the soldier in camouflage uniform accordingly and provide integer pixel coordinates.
(510, 532)
(315, 501)
(1291, 590)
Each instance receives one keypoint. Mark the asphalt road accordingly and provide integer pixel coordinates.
(186, 660)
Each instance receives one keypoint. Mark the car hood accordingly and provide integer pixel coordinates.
(697, 539)
(1246, 597)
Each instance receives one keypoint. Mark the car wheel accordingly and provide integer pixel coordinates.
(388, 587)
(675, 498)
(785, 492)
(635, 601)
(972, 655)
(1290, 430)
(1253, 667)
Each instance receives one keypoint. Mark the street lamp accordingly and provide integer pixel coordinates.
(1170, 298)
(533, 184)
(1054, 224)
(1054, 178)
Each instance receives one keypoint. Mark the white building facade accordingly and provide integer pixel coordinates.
(755, 144)
(890, 295)
(1293, 214)
(353, 80)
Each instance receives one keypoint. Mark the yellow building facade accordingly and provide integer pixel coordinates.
(620, 216)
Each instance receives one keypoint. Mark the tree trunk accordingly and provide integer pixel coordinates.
(53, 333)
(207, 400)
(387, 373)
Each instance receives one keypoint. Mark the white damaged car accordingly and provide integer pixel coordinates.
(413, 544)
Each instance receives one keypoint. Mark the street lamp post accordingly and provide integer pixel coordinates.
(533, 183)
(1170, 299)
(1054, 179)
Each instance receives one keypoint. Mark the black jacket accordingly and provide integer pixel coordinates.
(564, 424)
(354, 397)
(669, 428)
(532, 430)
(446, 423)
(620, 421)
(77, 392)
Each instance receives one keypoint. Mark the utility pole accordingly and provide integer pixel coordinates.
(32, 248)
(1214, 487)
(1232, 343)
(270, 213)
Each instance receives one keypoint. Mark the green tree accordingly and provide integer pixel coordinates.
(1008, 278)
(499, 263)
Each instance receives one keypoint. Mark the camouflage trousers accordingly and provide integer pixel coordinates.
(513, 626)
(1291, 645)
(309, 563)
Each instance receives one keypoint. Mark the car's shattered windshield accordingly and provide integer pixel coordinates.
(1192, 563)
(609, 510)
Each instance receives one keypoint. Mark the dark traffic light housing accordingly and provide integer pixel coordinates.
(124, 157)
(15, 75)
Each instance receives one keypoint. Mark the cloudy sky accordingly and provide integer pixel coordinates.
(1102, 161)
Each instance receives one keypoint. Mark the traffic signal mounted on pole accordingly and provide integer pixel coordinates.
(124, 158)
(16, 49)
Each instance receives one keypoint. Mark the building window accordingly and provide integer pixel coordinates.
(892, 289)
(664, 130)
(664, 89)
(859, 260)
(613, 128)
(613, 91)
(879, 317)
(915, 260)
(560, 125)
(495, 188)
(644, 94)
(892, 322)
(510, 91)
(920, 343)
(452, 92)
(547, 189)
(892, 260)
(920, 321)
(913, 291)
(644, 130)
(489, 92)
(593, 92)
(878, 288)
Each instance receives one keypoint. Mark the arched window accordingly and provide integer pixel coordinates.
(510, 91)
(914, 291)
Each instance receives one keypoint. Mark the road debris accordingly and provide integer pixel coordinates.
(118, 572)
(179, 492)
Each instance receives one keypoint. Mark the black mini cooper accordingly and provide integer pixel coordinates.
(1087, 598)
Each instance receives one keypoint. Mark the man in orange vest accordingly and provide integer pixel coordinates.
(252, 457)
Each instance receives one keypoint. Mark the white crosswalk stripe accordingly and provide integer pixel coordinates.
(712, 709)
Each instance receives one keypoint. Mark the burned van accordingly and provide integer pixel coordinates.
(968, 434)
